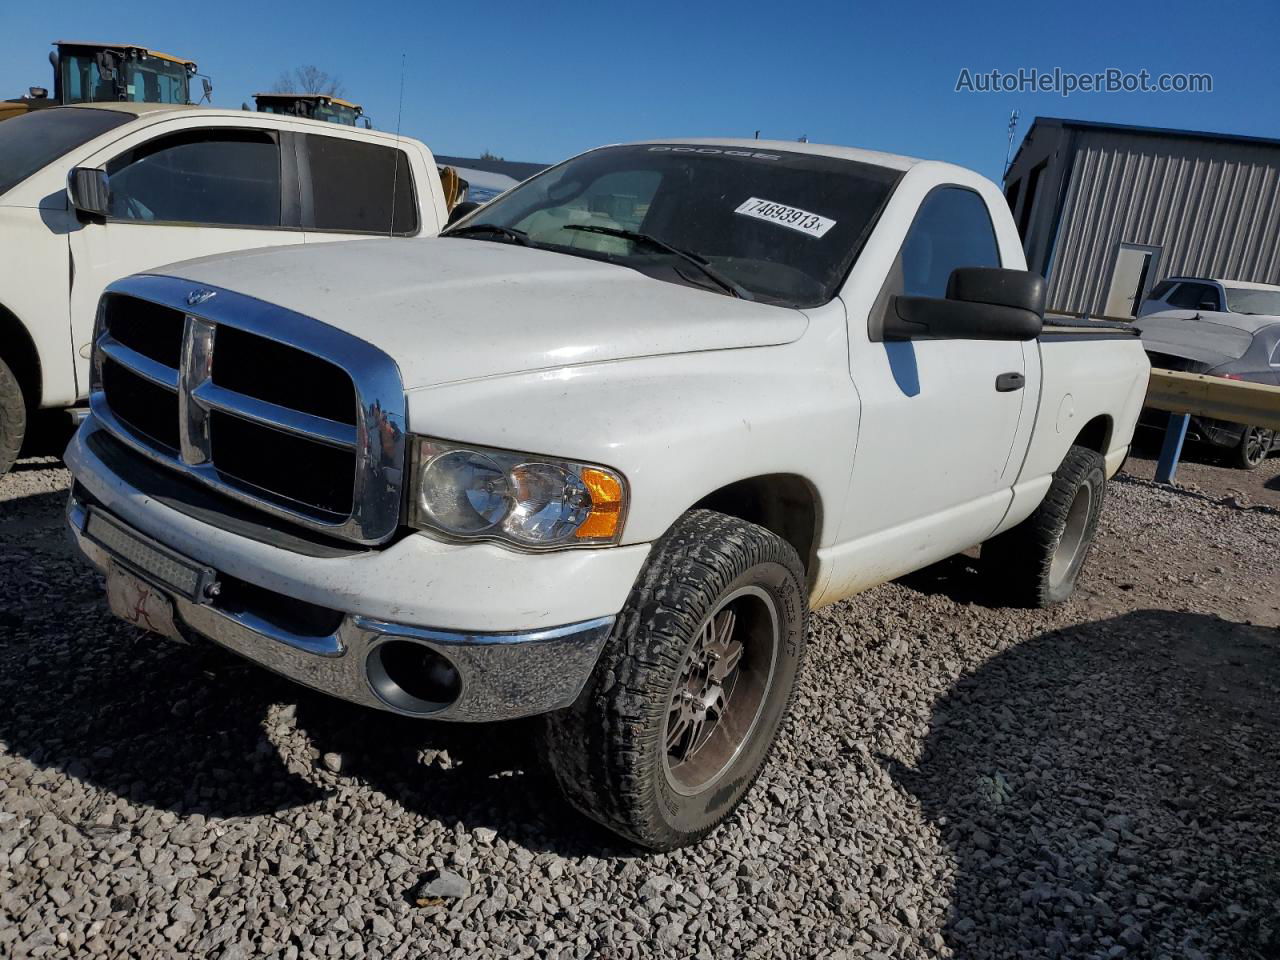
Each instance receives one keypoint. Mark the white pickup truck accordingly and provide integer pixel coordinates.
(596, 451)
(93, 193)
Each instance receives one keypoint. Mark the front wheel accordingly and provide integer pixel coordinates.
(1037, 563)
(680, 713)
(1255, 444)
(13, 418)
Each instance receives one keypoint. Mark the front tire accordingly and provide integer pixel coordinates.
(1037, 563)
(684, 704)
(13, 418)
(1255, 444)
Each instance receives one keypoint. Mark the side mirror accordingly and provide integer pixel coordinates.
(460, 211)
(982, 303)
(88, 191)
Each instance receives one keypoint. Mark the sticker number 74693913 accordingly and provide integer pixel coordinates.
(784, 216)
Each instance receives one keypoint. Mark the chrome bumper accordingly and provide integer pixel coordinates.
(502, 675)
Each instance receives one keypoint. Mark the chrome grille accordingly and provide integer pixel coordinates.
(266, 405)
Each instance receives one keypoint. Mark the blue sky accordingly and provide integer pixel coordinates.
(543, 81)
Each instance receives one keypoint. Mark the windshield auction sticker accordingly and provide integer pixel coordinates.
(784, 216)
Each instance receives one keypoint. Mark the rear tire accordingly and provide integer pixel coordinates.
(1255, 444)
(1037, 563)
(684, 704)
(13, 418)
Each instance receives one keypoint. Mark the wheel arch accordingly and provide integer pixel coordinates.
(786, 504)
(1096, 434)
(18, 351)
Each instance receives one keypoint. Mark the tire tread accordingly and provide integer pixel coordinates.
(1018, 561)
(595, 747)
(13, 418)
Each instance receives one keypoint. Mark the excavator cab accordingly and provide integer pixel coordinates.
(104, 72)
(108, 73)
(313, 106)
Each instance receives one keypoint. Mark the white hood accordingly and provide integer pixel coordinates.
(459, 309)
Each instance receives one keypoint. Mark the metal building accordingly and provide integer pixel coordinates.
(1106, 211)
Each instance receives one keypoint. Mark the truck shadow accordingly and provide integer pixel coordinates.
(1112, 785)
(195, 730)
(957, 577)
(473, 774)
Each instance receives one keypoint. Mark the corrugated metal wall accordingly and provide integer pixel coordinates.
(1213, 208)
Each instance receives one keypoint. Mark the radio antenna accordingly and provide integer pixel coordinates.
(1008, 150)
(395, 173)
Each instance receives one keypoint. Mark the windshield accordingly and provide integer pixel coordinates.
(778, 226)
(1246, 300)
(31, 142)
(157, 81)
(331, 113)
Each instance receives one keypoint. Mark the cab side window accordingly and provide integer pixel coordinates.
(207, 177)
(359, 187)
(951, 229)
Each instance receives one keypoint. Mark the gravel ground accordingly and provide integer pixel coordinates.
(956, 780)
(1201, 470)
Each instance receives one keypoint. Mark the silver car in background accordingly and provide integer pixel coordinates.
(1240, 346)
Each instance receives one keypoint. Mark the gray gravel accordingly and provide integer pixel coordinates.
(956, 780)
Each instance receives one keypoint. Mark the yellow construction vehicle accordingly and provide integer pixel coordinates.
(105, 72)
(315, 106)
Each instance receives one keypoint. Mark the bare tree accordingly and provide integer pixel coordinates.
(308, 78)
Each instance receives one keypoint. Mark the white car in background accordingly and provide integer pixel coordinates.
(1206, 295)
(95, 192)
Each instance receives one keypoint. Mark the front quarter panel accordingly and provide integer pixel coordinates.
(34, 279)
(678, 427)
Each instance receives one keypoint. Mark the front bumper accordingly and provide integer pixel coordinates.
(502, 673)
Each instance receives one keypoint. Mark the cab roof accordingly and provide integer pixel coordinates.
(150, 109)
(308, 96)
(127, 46)
(129, 106)
(892, 160)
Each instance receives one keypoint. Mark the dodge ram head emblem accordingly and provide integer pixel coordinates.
(197, 297)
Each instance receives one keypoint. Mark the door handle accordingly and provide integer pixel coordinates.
(1008, 382)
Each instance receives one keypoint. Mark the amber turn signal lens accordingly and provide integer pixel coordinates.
(606, 505)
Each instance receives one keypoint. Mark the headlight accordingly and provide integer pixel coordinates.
(475, 493)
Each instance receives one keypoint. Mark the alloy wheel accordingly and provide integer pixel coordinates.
(721, 689)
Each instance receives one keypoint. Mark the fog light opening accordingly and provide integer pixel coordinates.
(412, 677)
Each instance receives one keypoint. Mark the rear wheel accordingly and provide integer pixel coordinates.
(1254, 446)
(13, 418)
(679, 716)
(1037, 563)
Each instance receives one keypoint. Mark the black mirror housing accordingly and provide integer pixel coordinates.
(88, 191)
(461, 210)
(982, 303)
(1020, 289)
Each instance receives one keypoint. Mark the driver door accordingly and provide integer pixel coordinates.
(178, 192)
(941, 426)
